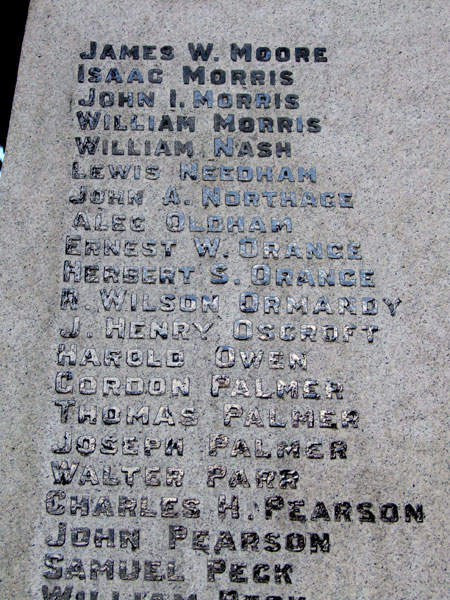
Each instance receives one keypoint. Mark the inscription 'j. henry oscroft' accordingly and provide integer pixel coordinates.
(223, 303)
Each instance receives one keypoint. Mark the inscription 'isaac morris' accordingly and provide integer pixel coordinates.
(221, 366)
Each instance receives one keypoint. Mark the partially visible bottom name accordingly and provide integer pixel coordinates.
(67, 593)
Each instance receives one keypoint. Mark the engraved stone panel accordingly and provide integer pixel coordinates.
(224, 302)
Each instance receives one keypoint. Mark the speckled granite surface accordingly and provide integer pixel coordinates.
(225, 302)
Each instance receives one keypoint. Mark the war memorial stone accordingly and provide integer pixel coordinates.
(224, 292)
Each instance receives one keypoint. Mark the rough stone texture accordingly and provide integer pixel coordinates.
(382, 103)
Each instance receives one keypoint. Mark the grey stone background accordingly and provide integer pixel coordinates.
(382, 99)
